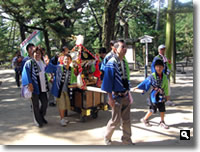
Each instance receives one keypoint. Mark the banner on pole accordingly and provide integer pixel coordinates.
(35, 38)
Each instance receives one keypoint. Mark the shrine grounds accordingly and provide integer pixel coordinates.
(17, 127)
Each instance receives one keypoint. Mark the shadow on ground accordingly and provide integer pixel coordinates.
(16, 116)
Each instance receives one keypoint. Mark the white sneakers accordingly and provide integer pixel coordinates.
(169, 103)
(64, 122)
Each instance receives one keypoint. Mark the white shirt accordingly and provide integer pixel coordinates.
(42, 75)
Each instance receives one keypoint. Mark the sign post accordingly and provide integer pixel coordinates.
(146, 39)
(35, 38)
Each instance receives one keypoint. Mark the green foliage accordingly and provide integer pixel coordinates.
(86, 20)
(184, 35)
(142, 20)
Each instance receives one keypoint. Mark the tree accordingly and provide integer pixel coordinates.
(159, 4)
(41, 15)
(171, 36)
(110, 9)
(139, 17)
(60, 19)
(184, 35)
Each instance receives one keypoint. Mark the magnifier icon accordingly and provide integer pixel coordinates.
(184, 134)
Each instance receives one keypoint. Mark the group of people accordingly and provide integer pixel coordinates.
(40, 74)
(38, 70)
(116, 82)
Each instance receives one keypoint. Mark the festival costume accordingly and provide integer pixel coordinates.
(59, 77)
(165, 70)
(32, 74)
(62, 78)
(116, 81)
(159, 90)
(24, 61)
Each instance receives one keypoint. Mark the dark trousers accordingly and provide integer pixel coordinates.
(17, 77)
(39, 110)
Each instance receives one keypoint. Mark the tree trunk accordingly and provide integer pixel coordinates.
(126, 35)
(158, 16)
(174, 54)
(110, 9)
(22, 32)
(10, 35)
(13, 40)
(117, 30)
(46, 37)
(67, 22)
(170, 39)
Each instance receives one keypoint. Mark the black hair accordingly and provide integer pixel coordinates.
(67, 55)
(112, 42)
(116, 44)
(43, 49)
(29, 45)
(122, 41)
(37, 49)
(63, 48)
(102, 50)
(17, 52)
(159, 62)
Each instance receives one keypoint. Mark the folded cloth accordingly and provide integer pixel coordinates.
(25, 92)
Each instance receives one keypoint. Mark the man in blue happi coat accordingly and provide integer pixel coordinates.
(116, 84)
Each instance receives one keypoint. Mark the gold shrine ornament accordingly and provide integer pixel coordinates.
(85, 55)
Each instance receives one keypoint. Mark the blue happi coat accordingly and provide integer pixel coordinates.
(152, 80)
(59, 77)
(106, 59)
(112, 80)
(30, 74)
(24, 61)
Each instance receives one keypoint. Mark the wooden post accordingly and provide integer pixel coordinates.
(134, 56)
(170, 38)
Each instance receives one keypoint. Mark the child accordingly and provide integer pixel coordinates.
(62, 75)
(158, 80)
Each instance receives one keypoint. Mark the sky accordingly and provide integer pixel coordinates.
(184, 1)
(166, 2)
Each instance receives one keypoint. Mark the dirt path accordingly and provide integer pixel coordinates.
(17, 127)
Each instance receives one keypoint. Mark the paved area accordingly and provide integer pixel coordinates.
(17, 127)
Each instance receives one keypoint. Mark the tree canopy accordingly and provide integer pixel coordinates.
(98, 21)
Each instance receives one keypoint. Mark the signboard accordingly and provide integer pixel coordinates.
(129, 54)
(146, 40)
(35, 38)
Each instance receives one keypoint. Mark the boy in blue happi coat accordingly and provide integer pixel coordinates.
(159, 82)
(63, 76)
(166, 70)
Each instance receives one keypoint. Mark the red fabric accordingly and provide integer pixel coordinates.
(160, 76)
(97, 72)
